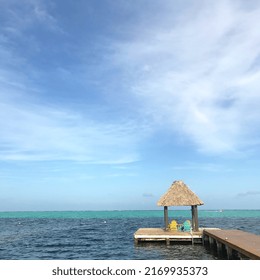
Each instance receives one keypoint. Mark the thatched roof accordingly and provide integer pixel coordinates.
(179, 195)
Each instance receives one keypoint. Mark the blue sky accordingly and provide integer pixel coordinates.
(104, 105)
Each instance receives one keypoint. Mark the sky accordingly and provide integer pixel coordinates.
(103, 104)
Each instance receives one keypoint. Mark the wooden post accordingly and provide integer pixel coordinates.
(211, 242)
(192, 217)
(166, 219)
(205, 239)
(229, 252)
(219, 248)
(195, 222)
(196, 218)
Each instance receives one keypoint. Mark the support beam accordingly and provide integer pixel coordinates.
(205, 239)
(211, 242)
(195, 220)
(219, 248)
(229, 252)
(192, 217)
(166, 219)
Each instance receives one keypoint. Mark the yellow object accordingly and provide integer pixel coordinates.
(173, 225)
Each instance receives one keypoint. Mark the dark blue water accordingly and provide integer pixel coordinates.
(100, 239)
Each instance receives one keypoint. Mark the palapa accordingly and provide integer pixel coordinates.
(180, 195)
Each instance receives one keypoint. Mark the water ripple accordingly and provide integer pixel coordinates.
(94, 239)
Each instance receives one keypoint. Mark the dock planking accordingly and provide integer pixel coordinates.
(159, 234)
(226, 241)
(245, 243)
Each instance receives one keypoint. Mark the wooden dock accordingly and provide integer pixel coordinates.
(233, 242)
(228, 244)
(159, 234)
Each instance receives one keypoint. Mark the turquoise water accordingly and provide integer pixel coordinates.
(130, 214)
(103, 235)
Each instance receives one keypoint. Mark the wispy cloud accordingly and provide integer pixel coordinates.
(248, 193)
(198, 73)
(211, 167)
(20, 16)
(31, 131)
(148, 195)
(195, 73)
(33, 128)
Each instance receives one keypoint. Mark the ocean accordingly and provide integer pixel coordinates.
(107, 235)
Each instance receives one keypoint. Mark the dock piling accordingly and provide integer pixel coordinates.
(238, 244)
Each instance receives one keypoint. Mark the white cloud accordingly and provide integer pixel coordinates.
(198, 74)
(148, 195)
(209, 167)
(20, 16)
(34, 131)
(248, 193)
